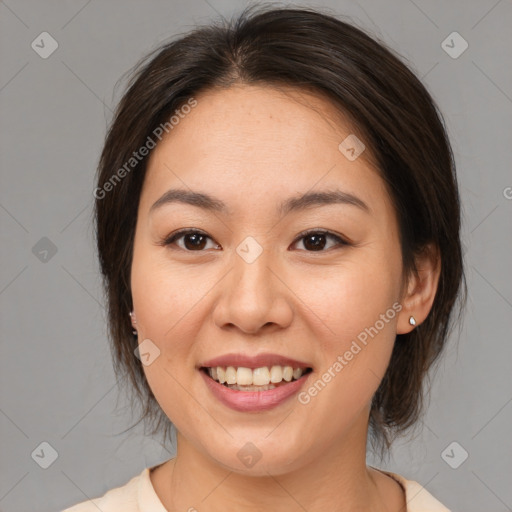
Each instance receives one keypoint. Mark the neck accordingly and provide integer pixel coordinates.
(336, 480)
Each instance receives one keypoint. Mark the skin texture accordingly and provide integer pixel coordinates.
(253, 147)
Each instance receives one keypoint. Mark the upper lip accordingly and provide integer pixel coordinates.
(256, 361)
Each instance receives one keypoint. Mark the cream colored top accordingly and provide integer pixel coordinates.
(138, 495)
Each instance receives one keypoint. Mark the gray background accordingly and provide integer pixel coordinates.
(57, 384)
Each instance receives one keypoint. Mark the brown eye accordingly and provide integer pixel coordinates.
(193, 240)
(316, 241)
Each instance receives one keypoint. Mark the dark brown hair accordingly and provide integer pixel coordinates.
(401, 125)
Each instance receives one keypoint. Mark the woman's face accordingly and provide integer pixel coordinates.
(255, 285)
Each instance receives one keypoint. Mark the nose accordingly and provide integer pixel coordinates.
(254, 296)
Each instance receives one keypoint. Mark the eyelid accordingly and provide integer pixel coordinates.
(321, 231)
(168, 240)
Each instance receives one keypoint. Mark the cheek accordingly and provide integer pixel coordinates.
(163, 294)
(358, 308)
(166, 302)
(351, 298)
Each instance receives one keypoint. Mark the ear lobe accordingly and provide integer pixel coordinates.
(421, 289)
(133, 319)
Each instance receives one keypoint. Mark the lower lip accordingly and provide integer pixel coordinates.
(253, 401)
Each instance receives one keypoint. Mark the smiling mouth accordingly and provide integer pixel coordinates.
(257, 379)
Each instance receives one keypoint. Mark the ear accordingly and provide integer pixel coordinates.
(420, 289)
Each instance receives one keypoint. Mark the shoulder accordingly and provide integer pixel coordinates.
(124, 498)
(417, 497)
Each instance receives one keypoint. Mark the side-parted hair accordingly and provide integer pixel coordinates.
(364, 81)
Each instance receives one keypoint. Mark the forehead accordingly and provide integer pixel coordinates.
(259, 141)
(251, 115)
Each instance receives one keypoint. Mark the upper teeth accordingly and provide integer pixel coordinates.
(258, 377)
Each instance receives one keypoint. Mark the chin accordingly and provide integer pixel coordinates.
(260, 458)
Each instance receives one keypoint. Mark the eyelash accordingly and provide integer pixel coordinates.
(179, 234)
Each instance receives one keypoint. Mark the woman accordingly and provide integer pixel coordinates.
(277, 222)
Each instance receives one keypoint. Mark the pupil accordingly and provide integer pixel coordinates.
(318, 241)
(198, 241)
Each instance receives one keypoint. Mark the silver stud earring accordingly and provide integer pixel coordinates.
(134, 321)
(412, 320)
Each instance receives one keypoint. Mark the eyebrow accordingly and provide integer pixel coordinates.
(292, 204)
